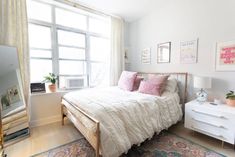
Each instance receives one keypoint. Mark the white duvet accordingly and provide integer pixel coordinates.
(127, 118)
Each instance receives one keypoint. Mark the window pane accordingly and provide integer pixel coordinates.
(99, 49)
(39, 36)
(99, 74)
(72, 82)
(72, 67)
(40, 53)
(71, 38)
(99, 26)
(39, 11)
(70, 19)
(39, 69)
(71, 53)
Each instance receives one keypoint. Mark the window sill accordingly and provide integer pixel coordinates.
(59, 91)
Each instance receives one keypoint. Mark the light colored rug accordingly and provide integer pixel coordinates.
(163, 145)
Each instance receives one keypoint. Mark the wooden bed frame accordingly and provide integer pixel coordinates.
(93, 135)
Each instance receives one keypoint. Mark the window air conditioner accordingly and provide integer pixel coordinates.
(74, 82)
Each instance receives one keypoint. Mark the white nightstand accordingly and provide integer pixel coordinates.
(217, 121)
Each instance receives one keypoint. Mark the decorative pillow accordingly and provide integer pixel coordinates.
(137, 83)
(159, 80)
(126, 80)
(171, 85)
(148, 87)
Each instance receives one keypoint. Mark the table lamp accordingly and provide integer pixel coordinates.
(202, 83)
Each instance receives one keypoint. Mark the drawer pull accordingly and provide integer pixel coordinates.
(200, 130)
(218, 126)
(213, 115)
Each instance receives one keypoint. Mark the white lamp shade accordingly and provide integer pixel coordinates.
(202, 82)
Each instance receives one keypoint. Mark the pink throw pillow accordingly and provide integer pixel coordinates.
(159, 80)
(126, 80)
(137, 83)
(147, 87)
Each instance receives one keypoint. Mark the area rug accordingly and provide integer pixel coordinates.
(163, 145)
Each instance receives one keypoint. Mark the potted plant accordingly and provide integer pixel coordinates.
(230, 98)
(51, 78)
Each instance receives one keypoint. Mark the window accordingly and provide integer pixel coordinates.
(75, 48)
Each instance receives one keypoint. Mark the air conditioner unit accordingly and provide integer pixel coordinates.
(74, 82)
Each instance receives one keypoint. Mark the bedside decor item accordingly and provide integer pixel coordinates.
(230, 98)
(164, 52)
(188, 51)
(202, 83)
(37, 87)
(225, 56)
(51, 78)
(217, 101)
(146, 56)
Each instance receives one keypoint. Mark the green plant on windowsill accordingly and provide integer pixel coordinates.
(230, 98)
(51, 78)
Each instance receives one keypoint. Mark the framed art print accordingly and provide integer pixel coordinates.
(188, 51)
(164, 52)
(146, 56)
(225, 56)
(13, 94)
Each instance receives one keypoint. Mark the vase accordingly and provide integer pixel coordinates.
(230, 102)
(52, 87)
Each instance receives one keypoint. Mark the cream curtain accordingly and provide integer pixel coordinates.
(14, 32)
(117, 61)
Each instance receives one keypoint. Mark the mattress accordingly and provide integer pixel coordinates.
(126, 118)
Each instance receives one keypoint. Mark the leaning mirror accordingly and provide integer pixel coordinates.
(14, 119)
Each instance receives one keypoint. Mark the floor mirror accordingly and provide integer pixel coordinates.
(14, 122)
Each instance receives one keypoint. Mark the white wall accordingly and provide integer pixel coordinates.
(180, 20)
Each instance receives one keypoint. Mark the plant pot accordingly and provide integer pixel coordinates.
(230, 102)
(52, 87)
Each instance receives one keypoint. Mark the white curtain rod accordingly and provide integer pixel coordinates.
(82, 6)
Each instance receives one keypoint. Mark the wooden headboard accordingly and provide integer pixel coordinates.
(182, 79)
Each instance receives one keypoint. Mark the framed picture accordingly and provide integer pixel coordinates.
(5, 103)
(225, 56)
(164, 52)
(188, 51)
(146, 56)
(13, 94)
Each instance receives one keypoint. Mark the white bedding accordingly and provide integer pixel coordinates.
(127, 118)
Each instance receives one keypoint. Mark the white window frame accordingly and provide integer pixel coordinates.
(55, 45)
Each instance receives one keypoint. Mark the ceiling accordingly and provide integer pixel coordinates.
(130, 10)
(8, 59)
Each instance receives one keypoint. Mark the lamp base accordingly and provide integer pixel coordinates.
(202, 96)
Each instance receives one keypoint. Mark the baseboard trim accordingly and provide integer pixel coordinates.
(45, 121)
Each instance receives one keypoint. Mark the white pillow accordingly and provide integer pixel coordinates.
(171, 85)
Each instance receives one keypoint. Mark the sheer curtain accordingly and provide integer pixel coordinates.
(14, 32)
(117, 50)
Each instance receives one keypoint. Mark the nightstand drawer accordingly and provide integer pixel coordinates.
(219, 120)
(215, 131)
(215, 121)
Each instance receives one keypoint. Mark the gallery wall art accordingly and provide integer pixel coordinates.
(188, 51)
(225, 56)
(146, 56)
(164, 52)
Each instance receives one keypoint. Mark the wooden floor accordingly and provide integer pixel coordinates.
(43, 138)
(53, 135)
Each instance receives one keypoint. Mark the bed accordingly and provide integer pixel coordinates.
(112, 120)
